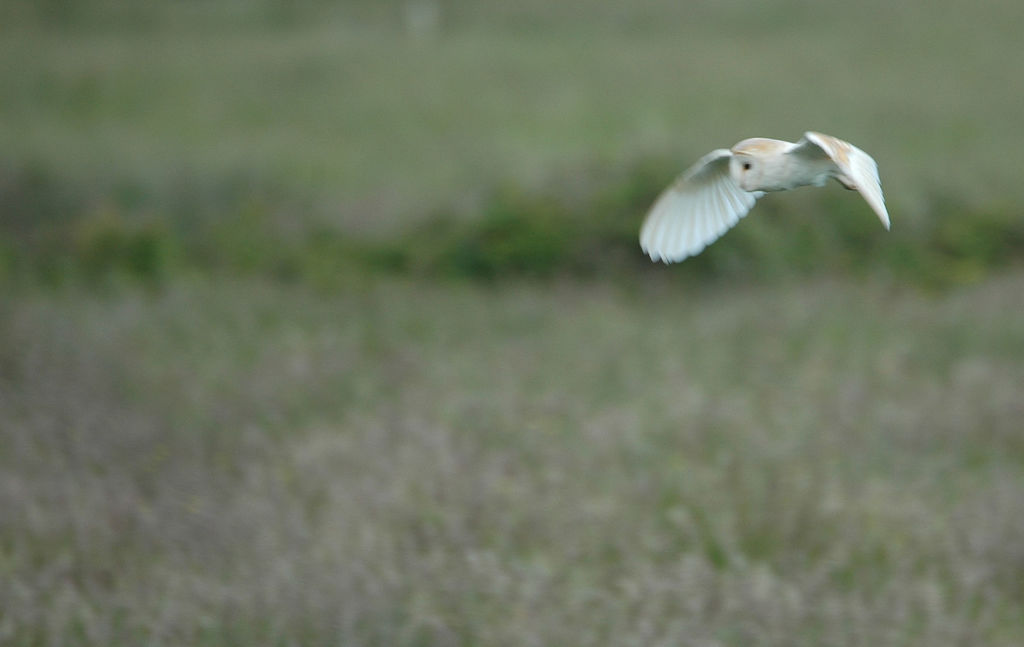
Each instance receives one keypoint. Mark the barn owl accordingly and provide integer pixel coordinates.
(722, 186)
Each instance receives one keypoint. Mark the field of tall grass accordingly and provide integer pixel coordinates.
(326, 323)
(242, 463)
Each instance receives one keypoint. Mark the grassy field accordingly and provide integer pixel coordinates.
(342, 103)
(326, 324)
(222, 464)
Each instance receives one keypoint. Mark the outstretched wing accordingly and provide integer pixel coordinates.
(695, 210)
(856, 168)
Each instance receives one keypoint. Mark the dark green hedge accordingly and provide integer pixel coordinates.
(52, 232)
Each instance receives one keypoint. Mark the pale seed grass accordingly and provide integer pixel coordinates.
(824, 464)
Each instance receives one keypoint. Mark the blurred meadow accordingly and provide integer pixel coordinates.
(326, 323)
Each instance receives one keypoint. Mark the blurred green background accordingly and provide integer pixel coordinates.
(326, 323)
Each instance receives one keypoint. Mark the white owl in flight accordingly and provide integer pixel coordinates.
(722, 186)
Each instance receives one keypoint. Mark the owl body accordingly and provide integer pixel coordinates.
(761, 164)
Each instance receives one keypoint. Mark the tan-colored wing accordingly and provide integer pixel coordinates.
(857, 169)
(695, 210)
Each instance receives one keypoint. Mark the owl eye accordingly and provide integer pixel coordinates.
(746, 166)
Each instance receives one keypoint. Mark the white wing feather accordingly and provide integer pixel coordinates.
(701, 205)
(857, 166)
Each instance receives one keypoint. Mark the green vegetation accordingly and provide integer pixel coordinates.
(326, 323)
(244, 230)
